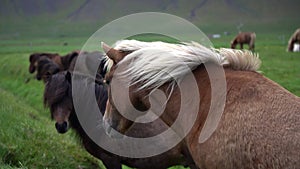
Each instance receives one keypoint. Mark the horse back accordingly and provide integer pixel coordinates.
(259, 127)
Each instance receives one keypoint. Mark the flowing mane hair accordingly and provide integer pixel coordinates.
(155, 63)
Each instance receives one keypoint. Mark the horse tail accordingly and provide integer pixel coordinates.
(252, 40)
(253, 36)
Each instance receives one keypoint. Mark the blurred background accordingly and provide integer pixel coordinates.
(58, 19)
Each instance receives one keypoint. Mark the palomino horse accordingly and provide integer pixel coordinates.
(244, 38)
(260, 124)
(295, 38)
(58, 97)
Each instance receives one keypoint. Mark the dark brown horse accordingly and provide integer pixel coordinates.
(244, 38)
(49, 63)
(53, 63)
(35, 57)
(68, 60)
(259, 126)
(58, 97)
(88, 62)
(295, 38)
(46, 66)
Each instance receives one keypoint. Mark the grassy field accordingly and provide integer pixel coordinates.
(28, 138)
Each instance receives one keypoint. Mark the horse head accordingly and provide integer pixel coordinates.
(233, 44)
(45, 66)
(113, 118)
(58, 97)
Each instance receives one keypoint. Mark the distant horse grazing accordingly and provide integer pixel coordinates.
(295, 38)
(260, 124)
(244, 38)
(58, 97)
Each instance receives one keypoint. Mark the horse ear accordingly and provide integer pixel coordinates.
(69, 76)
(112, 53)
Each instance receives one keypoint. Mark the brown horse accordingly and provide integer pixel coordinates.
(259, 126)
(53, 63)
(46, 66)
(58, 97)
(244, 38)
(35, 57)
(68, 60)
(295, 38)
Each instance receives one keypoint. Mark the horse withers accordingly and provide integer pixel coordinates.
(258, 128)
(244, 38)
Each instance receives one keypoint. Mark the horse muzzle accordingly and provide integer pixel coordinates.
(62, 127)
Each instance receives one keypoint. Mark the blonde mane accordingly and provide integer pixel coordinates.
(160, 62)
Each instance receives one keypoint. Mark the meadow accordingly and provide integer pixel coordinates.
(28, 138)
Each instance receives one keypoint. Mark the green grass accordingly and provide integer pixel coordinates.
(28, 138)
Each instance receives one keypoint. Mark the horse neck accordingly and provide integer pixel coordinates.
(75, 124)
(102, 96)
(173, 105)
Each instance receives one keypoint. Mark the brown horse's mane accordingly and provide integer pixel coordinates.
(68, 59)
(56, 89)
(59, 87)
(46, 65)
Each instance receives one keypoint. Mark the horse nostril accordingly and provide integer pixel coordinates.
(65, 124)
(61, 128)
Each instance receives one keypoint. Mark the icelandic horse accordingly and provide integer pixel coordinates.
(259, 126)
(244, 38)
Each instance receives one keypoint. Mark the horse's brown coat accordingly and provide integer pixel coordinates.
(35, 57)
(259, 128)
(244, 38)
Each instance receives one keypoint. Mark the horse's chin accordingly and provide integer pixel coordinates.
(62, 131)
